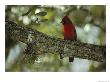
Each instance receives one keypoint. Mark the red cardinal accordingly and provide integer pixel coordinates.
(69, 32)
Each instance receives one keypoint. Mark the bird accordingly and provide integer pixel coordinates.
(69, 32)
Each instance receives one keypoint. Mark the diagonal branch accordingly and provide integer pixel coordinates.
(41, 43)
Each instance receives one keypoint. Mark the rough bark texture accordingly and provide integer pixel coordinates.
(39, 43)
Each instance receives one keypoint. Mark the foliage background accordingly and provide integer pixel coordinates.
(90, 22)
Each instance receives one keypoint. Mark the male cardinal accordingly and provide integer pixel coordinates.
(69, 32)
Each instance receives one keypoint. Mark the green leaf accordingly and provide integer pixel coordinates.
(42, 13)
(43, 20)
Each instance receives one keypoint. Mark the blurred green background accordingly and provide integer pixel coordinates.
(90, 23)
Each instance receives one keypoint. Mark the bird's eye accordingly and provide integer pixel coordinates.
(63, 21)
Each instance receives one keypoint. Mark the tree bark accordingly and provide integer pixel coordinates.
(39, 43)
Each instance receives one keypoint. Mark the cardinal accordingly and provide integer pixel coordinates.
(69, 32)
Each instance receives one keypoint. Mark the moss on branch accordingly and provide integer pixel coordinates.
(39, 43)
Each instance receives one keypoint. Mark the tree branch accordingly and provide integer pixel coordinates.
(39, 43)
